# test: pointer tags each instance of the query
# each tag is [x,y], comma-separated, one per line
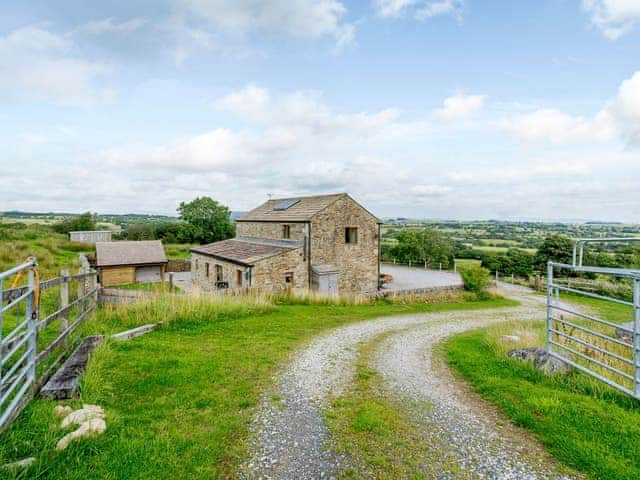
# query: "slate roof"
[144,252]
[300,211]
[244,251]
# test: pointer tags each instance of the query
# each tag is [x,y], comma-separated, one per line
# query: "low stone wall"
[418,291]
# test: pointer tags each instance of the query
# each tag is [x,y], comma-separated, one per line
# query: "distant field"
[501,249]
[463,262]
[29,221]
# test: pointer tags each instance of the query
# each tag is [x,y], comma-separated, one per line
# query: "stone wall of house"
[269,274]
[208,283]
[270,230]
[357,263]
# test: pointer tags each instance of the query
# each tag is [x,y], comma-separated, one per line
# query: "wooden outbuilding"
[121,263]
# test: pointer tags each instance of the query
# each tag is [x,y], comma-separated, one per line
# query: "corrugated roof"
[302,210]
[129,253]
[243,251]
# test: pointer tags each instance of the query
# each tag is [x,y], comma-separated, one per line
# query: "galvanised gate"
[608,351]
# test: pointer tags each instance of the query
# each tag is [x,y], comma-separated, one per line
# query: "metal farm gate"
[18,346]
[608,351]
[29,354]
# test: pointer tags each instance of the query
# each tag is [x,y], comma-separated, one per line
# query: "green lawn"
[179,400]
[580,421]
[178,250]
[376,430]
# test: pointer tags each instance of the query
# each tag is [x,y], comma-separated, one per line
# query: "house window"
[206,269]
[288,279]
[351,235]
[239,277]
[219,273]
[286,231]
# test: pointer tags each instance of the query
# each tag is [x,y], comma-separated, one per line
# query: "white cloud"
[301,18]
[619,117]
[110,25]
[613,18]
[420,9]
[625,109]
[36,63]
[302,110]
[430,190]
[459,107]
[551,125]
[527,172]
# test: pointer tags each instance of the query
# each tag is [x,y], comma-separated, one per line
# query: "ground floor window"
[219,273]
[239,277]
[288,279]
[206,269]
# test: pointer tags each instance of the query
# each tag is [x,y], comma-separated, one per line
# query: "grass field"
[464,262]
[582,422]
[179,400]
[53,250]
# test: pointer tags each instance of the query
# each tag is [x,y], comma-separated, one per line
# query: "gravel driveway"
[292,442]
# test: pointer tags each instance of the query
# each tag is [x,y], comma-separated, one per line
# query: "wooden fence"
[42,338]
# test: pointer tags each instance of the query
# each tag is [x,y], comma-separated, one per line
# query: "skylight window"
[285,204]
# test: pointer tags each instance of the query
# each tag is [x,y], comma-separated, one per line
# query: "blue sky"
[426,108]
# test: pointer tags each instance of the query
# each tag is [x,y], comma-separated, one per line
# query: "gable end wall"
[357,263]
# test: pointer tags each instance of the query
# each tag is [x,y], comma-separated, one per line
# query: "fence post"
[425,264]
[32,320]
[549,304]
[455,267]
[64,302]
[440,265]
[497,277]
[636,337]
[513,280]
[170,281]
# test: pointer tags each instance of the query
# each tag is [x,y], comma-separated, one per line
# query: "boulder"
[625,332]
[540,360]
[92,427]
[86,413]
[510,338]
[24,463]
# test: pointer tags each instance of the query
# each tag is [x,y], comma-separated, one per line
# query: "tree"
[556,248]
[86,221]
[209,221]
[427,245]
[474,278]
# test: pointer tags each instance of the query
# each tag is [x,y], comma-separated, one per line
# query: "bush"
[475,278]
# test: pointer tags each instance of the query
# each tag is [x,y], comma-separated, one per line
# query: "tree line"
[433,248]
[203,220]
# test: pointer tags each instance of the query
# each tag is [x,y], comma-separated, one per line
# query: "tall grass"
[167,308]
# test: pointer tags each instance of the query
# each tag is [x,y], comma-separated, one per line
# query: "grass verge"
[373,429]
[580,421]
[179,400]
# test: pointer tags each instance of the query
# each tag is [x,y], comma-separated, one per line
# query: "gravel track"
[291,440]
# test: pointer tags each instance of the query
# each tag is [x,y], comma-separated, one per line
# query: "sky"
[450,109]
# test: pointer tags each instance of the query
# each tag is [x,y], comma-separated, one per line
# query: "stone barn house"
[120,263]
[327,243]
